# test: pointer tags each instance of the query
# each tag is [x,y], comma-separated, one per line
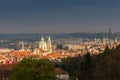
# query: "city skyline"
[59,16]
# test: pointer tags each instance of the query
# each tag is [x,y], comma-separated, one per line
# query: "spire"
[49,38]
[23,46]
[104,38]
[49,45]
[42,39]
[116,39]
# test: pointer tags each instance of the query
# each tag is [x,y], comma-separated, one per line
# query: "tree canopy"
[33,69]
[105,66]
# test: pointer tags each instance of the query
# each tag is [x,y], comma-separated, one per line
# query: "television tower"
[109,33]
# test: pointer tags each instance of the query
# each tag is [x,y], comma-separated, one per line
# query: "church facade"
[45,47]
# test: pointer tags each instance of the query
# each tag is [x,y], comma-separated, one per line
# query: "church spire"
[42,39]
[49,38]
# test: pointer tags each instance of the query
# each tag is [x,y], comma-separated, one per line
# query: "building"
[61,74]
[45,47]
[5,72]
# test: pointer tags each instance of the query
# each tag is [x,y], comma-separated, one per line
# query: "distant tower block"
[110,30]
[110,33]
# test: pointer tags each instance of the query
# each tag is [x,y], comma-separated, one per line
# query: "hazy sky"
[61,16]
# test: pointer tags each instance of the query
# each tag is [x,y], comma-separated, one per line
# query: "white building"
[6,50]
[45,47]
[43,44]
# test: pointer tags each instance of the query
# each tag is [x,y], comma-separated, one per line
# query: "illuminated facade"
[45,47]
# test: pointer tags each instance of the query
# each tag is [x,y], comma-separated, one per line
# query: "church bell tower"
[49,44]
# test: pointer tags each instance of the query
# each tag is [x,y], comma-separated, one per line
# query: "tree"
[71,64]
[108,67]
[118,47]
[33,69]
[86,68]
[106,51]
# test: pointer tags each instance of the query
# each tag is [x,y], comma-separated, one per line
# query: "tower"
[49,45]
[23,46]
[109,33]
[105,40]
[116,40]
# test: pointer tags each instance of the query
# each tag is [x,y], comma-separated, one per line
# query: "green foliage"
[106,51]
[86,68]
[105,66]
[71,64]
[79,67]
[108,67]
[32,69]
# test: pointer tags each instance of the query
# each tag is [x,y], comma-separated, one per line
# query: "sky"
[59,16]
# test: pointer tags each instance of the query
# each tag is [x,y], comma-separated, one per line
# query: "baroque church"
[45,47]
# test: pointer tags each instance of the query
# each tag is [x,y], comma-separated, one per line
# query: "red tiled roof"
[54,55]
[7,67]
[60,71]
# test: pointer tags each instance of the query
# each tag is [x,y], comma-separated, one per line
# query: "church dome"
[43,44]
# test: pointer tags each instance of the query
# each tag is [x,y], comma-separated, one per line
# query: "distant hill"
[56,35]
